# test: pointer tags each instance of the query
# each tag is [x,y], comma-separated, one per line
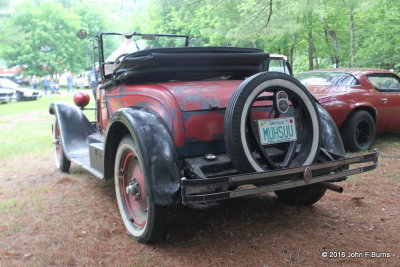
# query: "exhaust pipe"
[332,187]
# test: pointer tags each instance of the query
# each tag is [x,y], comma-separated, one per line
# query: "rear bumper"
[214,189]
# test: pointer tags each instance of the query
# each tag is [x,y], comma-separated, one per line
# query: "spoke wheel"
[263,99]
[62,162]
[144,220]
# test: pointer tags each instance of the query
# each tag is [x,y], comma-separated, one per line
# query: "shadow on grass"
[387,138]
[243,220]
[236,220]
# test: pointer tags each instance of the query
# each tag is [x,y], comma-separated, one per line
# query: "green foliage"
[46,40]
[7,34]
[378,34]
[313,33]
[315,29]
[49,38]
[93,22]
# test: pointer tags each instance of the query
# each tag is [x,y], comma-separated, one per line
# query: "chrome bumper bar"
[214,189]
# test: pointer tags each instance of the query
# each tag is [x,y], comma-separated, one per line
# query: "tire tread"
[349,127]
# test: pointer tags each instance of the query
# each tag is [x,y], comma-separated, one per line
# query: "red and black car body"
[347,93]
[182,126]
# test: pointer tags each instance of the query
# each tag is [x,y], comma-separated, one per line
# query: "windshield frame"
[100,41]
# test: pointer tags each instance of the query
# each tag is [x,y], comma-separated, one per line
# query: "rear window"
[327,78]
[385,82]
[278,64]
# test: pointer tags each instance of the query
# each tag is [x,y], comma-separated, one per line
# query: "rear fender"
[74,127]
[154,141]
[331,140]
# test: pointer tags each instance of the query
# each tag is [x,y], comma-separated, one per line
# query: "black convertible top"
[188,63]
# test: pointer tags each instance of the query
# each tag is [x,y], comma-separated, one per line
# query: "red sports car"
[360,101]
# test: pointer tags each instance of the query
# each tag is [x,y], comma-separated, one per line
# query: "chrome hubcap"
[133,189]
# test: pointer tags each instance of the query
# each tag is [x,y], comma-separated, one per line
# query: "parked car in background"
[82,80]
[360,101]
[18,80]
[21,93]
[7,95]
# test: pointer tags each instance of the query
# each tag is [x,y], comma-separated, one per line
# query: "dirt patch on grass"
[50,218]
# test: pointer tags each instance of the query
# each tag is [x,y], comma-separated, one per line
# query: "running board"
[91,159]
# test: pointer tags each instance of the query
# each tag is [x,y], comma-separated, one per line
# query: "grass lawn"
[26,126]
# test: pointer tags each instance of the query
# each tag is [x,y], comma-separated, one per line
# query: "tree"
[377,32]
[320,32]
[92,20]
[329,19]
[7,34]
[50,45]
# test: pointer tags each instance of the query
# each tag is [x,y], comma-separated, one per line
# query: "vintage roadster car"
[196,125]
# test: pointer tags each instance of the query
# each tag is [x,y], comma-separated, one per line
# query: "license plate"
[275,131]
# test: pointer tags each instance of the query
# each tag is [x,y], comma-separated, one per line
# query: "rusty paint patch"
[201,126]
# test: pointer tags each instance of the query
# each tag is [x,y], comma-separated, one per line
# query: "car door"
[387,100]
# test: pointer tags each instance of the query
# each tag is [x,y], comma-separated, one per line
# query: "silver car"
[7,95]
[20,92]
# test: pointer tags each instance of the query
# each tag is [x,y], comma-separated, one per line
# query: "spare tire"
[271,122]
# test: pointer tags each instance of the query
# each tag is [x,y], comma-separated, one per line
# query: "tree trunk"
[311,48]
[326,38]
[352,38]
[292,49]
[336,48]
[333,41]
